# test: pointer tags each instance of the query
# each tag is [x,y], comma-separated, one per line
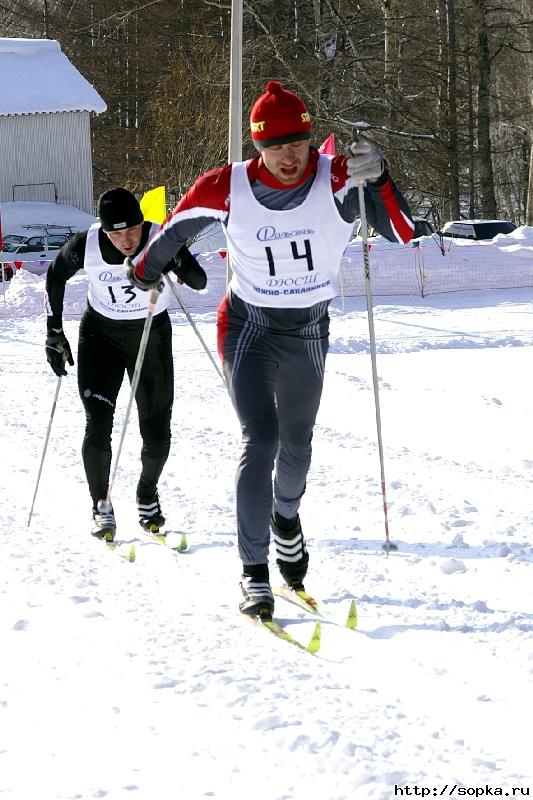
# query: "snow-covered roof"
[16,217]
[37,78]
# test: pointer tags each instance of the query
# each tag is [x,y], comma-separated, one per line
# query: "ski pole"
[3,271]
[54,404]
[388,545]
[105,506]
[185,310]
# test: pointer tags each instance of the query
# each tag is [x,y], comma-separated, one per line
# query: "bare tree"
[529,119]
[436,79]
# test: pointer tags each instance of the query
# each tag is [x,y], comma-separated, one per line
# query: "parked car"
[478,229]
[34,249]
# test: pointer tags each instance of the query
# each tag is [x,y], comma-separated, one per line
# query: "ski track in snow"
[142,681]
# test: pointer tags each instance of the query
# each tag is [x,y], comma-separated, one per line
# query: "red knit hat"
[278,116]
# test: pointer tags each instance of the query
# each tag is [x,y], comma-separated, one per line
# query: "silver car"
[34,249]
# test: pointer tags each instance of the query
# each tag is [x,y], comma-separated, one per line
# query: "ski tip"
[351,621]
[301,598]
[308,599]
[183,545]
[126,553]
[314,644]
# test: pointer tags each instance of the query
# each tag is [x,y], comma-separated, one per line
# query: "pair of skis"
[302,599]
[280,632]
[307,602]
[128,552]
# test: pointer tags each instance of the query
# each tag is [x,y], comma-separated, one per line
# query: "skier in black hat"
[108,343]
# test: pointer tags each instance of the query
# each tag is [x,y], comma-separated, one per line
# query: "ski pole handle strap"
[140,283]
[58,352]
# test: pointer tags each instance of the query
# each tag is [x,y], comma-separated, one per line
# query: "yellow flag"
[153,205]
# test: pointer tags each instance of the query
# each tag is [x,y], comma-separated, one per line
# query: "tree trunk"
[391,56]
[529,206]
[529,68]
[486,174]
[471,155]
[451,83]
[45,19]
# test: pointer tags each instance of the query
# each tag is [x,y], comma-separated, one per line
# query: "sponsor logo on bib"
[268,233]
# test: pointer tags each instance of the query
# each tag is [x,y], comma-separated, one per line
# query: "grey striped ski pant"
[273,361]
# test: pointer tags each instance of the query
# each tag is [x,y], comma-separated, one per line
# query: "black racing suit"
[107,349]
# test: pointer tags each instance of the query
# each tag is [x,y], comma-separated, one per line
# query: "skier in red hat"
[288,215]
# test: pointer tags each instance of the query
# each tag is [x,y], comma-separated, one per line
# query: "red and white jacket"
[307,224]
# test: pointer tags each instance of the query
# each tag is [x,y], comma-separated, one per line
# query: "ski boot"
[255,586]
[151,517]
[104,525]
[292,556]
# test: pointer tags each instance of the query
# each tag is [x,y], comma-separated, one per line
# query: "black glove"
[140,283]
[58,352]
[187,269]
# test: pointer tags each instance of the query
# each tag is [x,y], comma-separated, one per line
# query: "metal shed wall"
[47,149]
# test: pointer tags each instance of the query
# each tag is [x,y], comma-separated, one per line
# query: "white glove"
[364,163]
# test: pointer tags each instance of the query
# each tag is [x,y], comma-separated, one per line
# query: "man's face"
[287,162]
[127,240]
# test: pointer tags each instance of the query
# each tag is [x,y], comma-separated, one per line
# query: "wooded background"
[446,85]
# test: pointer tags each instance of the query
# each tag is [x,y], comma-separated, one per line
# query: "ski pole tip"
[390,547]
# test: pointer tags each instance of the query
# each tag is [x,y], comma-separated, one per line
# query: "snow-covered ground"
[142,681]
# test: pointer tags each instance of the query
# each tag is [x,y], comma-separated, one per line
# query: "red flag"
[328,147]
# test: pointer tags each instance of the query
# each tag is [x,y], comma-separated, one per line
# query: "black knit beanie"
[118,209]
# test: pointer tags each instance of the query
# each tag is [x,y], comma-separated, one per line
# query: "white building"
[45,138]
